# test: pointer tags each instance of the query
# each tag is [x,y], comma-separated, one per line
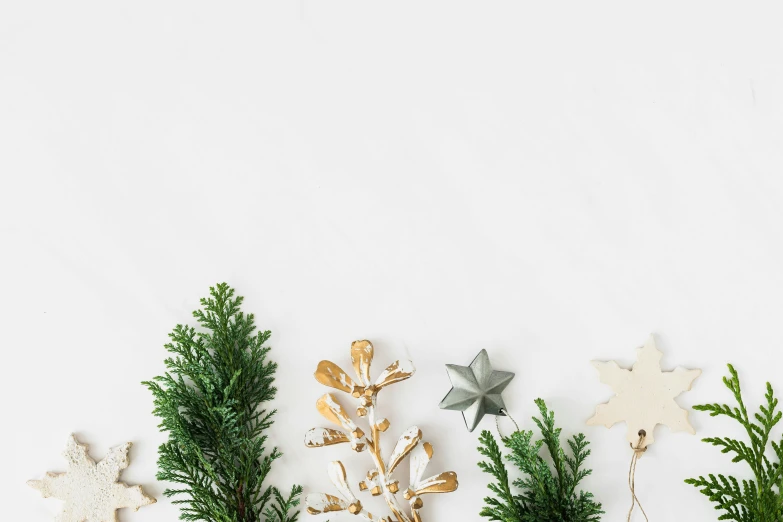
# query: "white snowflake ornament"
[90,491]
[644,396]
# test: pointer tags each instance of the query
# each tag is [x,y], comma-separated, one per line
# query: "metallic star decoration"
[476,390]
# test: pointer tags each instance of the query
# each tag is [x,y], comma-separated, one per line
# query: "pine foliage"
[758,499]
[209,402]
[548,495]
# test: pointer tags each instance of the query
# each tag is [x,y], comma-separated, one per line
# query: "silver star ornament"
[476,390]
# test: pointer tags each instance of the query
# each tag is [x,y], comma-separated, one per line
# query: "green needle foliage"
[757,500]
[209,403]
[546,496]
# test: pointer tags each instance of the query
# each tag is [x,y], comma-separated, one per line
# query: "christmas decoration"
[644,398]
[546,496]
[379,480]
[476,390]
[209,402]
[644,395]
[759,499]
[91,491]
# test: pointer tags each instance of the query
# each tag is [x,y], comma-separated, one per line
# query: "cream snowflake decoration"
[644,395]
[91,491]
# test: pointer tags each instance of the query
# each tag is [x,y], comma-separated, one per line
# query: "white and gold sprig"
[380,480]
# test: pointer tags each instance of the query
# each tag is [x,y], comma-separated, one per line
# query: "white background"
[552,183]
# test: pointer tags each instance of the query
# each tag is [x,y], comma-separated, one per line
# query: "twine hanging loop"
[638,451]
[507,414]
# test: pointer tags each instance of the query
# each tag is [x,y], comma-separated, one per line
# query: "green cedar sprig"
[546,496]
[759,499]
[209,403]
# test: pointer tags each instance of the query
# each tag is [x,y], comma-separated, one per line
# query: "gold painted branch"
[380,480]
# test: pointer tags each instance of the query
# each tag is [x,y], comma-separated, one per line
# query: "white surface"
[551,183]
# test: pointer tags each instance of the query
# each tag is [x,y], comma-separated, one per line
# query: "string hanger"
[504,412]
[638,451]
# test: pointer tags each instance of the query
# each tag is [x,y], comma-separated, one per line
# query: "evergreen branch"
[758,500]
[546,496]
[209,402]
[507,508]
[283,510]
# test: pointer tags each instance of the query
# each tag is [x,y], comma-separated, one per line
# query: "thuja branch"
[760,499]
[380,479]
[210,402]
[546,496]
